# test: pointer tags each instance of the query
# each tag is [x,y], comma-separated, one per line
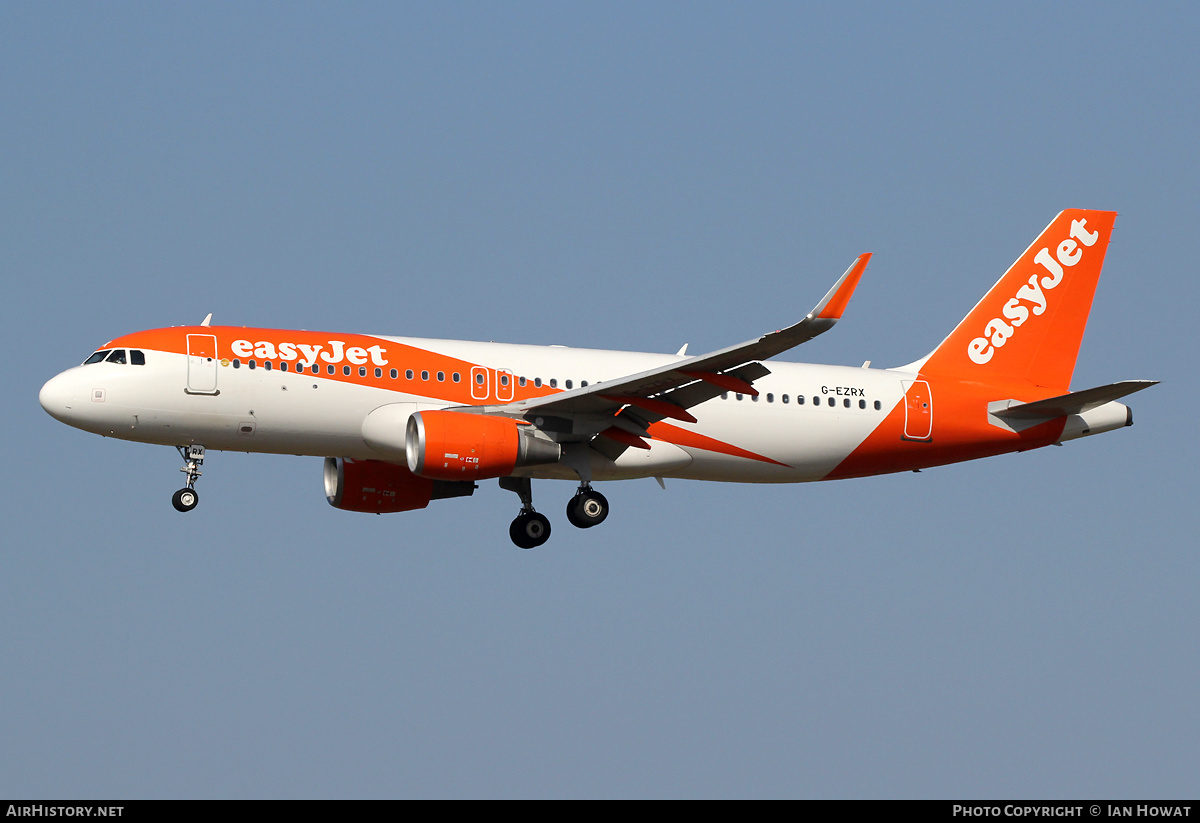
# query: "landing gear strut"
[530,529]
[186,498]
[587,508]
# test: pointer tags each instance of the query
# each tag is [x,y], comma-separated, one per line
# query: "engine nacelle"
[377,487]
[446,445]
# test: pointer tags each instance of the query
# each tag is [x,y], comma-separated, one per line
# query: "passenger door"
[202,364]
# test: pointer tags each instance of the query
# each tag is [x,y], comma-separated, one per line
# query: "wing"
[630,404]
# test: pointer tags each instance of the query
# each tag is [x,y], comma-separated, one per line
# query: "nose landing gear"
[186,498]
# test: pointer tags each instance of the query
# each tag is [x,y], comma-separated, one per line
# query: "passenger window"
[424,375]
[283,366]
[136,357]
[816,400]
[784,398]
[97,357]
[330,370]
[362,371]
[408,374]
[878,405]
[738,396]
[537,381]
[832,402]
[441,376]
[582,383]
[267,365]
[554,382]
[770,397]
[754,398]
[378,372]
[237,364]
[862,404]
[252,364]
[456,377]
[570,384]
[117,356]
[724,395]
[395,374]
[799,400]
[521,382]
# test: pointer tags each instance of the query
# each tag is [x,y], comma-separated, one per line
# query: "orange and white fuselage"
[999,383]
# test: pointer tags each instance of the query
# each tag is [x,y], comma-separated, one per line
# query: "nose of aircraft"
[58,396]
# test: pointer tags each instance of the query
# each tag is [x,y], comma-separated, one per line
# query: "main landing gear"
[530,529]
[587,508]
[186,498]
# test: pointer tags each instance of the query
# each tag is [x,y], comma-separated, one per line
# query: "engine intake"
[446,445]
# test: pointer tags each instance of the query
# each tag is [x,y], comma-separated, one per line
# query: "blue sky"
[616,176]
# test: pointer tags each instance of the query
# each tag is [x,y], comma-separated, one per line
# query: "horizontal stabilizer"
[1077,402]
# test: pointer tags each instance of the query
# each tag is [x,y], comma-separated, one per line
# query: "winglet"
[834,303]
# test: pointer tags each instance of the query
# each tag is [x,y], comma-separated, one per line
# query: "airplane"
[402,422]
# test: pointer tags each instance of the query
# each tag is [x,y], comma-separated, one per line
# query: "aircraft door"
[202,364]
[918,411]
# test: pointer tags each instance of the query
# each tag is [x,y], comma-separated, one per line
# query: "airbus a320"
[402,422]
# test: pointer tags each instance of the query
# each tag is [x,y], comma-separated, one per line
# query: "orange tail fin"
[1029,326]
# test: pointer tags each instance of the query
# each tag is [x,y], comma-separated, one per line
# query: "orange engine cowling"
[446,445]
[377,487]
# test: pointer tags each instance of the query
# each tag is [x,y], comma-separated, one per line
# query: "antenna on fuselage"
[207,319]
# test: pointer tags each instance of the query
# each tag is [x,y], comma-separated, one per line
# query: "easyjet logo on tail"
[1032,295]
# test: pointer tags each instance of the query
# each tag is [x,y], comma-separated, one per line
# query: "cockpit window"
[117,356]
[136,357]
[97,357]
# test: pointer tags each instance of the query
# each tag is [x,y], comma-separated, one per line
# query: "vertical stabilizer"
[1029,326]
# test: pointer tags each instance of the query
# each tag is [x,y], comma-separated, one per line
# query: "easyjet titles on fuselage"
[308,354]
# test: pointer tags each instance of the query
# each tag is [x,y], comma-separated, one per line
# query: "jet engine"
[377,487]
[446,445]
